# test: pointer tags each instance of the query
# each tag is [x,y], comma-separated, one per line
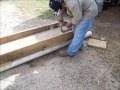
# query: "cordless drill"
[61,24]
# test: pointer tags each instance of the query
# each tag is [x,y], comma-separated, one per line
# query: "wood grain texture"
[27,33]
[31,44]
[97,43]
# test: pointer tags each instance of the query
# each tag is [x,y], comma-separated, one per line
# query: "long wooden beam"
[28,32]
[38,42]
[30,57]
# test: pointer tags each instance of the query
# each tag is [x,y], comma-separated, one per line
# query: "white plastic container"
[100,5]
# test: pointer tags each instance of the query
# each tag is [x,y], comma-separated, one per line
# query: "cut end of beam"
[97,43]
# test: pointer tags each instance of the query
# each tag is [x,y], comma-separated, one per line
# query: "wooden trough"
[25,46]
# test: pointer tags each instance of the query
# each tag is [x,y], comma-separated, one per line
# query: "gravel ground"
[90,69]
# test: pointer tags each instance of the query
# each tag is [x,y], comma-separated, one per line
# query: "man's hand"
[69,25]
[65,29]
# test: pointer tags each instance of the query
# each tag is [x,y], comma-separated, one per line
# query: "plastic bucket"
[100,5]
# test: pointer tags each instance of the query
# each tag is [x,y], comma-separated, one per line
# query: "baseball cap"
[55,5]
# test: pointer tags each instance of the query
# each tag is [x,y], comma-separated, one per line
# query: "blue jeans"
[79,31]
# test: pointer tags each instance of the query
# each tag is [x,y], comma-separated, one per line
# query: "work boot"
[63,53]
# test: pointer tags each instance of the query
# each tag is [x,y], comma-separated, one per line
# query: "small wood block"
[97,43]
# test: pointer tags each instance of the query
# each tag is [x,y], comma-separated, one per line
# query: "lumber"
[25,46]
[97,43]
[26,33]
[8,65]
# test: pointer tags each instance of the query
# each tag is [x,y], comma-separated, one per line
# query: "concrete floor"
[88,70]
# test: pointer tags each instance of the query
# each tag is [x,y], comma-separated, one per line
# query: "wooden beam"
[31,44]
[97,43]
[28,32]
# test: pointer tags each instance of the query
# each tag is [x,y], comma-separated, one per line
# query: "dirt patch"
[107,26]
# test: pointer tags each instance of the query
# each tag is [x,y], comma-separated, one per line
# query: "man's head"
[56,6]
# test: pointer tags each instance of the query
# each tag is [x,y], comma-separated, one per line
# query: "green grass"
[41,7]
[47,14]
[44,11]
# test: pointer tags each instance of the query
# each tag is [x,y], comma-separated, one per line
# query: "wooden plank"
[97,43]
[28,33]
[29,45]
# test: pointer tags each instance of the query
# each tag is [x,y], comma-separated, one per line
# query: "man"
[83,13]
